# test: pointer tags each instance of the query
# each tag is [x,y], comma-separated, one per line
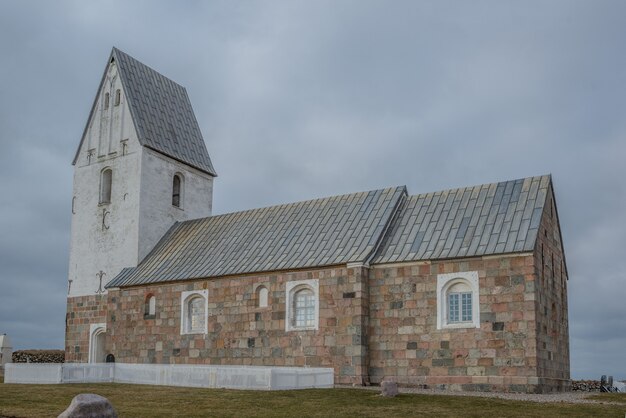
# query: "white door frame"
[94,331]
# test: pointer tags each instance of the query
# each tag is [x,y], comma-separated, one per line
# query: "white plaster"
[184,298]
[92,247]
[140,211]
[156,212]
[185,375]
[445,282]
[357,265]
[291,288]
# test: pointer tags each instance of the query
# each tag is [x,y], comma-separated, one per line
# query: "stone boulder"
[388,388]
[89,405]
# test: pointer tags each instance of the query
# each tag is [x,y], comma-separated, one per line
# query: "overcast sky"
[298,100]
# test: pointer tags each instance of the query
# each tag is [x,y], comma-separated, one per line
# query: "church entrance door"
[96,343]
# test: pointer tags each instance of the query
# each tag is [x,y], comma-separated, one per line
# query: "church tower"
[141,166]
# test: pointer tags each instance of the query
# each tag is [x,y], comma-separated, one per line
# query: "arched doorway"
[97,337]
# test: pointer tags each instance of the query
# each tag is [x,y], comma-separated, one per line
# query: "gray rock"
[388,388]
[89,405]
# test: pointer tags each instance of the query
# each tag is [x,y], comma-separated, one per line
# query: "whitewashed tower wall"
[107,237]
[104,236]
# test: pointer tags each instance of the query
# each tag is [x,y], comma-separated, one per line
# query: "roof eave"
[204,170]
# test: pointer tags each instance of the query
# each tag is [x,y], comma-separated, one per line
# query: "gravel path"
[568,397]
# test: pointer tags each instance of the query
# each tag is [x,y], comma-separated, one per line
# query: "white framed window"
[262,295]
[194,312]
[458,300]
[118,97]
[303,305]
[106,101]
[106,181]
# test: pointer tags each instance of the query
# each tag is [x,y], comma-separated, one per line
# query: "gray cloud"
[304,99]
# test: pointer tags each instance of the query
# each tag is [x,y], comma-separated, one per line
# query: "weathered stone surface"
[389,329]
[89,405]
[388,388]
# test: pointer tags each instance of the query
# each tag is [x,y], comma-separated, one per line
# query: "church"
[460,289]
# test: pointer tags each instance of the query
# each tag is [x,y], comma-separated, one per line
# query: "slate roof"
[161,112]
[321,232]
[492,218]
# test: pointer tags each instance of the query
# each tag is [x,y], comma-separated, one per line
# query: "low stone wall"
[586,385]
[38,356]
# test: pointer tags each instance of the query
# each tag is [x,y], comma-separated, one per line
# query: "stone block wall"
[406,346]
[82,311]
[374,323]
[551,303]
[239,332]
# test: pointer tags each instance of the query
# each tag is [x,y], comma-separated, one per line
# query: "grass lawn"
[160,401]
[609,397]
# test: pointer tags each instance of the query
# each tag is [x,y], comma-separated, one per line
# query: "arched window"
[150,308]
[302,305]
[106,101]
[177,190]
[118,97]
[457,300]
[262,296]
[106,179]
[194,312]
[304,308]
[459,297]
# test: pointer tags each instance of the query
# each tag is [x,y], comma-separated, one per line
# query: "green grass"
[609,397]
[160,401]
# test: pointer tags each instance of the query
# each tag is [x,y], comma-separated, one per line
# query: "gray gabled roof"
[314,233]
[493,218]
[162,113]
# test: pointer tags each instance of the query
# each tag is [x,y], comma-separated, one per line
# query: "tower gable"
[110,131]
[160,110]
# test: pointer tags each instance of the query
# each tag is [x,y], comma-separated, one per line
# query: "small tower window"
[106,101]
[118,96]
[177,190]
[106,178]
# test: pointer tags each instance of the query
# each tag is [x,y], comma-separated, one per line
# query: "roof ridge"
[454,189]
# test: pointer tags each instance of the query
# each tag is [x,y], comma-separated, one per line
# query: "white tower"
[141,166]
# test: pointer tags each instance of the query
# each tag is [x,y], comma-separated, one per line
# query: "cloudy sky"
[307,99]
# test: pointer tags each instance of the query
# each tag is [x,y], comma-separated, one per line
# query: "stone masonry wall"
[240,333]
[82,311]
[405,344]
[552,317]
